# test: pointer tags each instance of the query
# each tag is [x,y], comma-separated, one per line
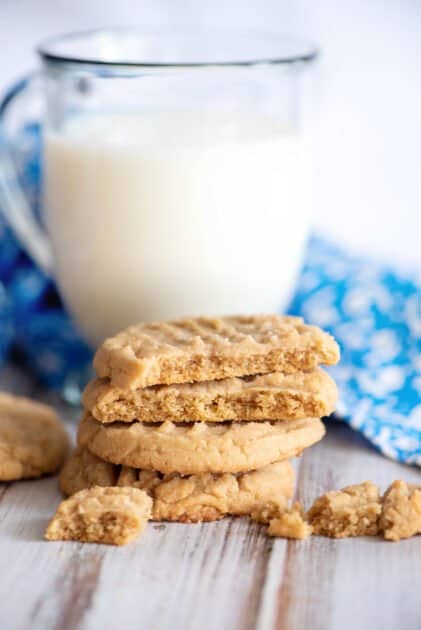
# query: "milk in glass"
[157,215]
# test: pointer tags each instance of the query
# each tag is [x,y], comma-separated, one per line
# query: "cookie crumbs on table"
[352,511]
[112,516]
[357,510]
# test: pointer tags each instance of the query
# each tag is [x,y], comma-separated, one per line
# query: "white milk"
[160,215]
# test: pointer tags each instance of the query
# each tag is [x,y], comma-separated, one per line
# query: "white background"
[369,79]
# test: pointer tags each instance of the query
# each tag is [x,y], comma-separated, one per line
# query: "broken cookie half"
[401,514]
[352,511]
[112,516]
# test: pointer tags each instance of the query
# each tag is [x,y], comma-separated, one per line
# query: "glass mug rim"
[220,48]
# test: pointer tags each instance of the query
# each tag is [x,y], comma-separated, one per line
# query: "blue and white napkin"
[375,314]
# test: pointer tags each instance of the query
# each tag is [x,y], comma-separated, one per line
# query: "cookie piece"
[199,447]
[188,499]
[113,516]
[352,511]
[401,514]
[264,397]
[33,441]
[290,523]
[205,349]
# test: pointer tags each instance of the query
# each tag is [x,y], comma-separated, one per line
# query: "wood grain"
[213,576]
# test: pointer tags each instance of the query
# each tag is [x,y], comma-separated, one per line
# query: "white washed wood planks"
[174,576]
[346,584]
[212,576]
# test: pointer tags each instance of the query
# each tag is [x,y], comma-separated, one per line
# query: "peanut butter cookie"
[199,447]
[264,397]
[205,349]
[33,441]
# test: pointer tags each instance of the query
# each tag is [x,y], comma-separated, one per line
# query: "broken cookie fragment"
[209,348]
[290,524]
[401,514]
[352,511]
[260,397]
[113,516]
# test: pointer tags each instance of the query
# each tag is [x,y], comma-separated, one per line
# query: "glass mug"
[176,173]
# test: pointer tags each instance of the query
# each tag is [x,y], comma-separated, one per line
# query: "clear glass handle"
[13,201]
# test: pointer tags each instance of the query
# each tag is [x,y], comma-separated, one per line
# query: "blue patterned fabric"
[373,312]
[39,330]
[33,320]
[6,325]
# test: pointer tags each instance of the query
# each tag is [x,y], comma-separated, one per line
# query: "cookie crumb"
[113,516]
[352,511]
[291,524]
[401,514]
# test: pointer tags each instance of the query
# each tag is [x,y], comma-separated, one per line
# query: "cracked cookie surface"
[205,348]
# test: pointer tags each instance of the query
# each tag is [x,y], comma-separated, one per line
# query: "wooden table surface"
[220,576]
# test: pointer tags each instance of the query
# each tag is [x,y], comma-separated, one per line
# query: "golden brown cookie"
[113,516]
[199,447]
[401,513]
[352,511]
[205,349]
[187,499]
[264,397]
[33,441]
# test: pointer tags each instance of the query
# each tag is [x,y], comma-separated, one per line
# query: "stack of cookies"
[204,414]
